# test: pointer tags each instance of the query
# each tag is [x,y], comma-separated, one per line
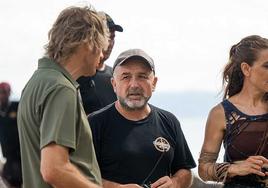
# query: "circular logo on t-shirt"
[161,144]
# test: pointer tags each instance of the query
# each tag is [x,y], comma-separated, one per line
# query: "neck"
[251,95]
[70,65]
[133,115]
[250,101]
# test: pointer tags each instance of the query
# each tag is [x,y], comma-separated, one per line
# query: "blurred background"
[189,41]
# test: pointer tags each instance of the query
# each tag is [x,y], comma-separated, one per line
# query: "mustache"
[135,91]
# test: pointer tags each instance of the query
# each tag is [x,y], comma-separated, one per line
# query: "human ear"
[113,84]
[245,68]
[154,83]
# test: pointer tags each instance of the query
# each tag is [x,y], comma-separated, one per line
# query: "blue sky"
[189,40]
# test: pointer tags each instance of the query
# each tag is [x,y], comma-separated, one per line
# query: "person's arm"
[59,172]
[181,179]
[208,169]
[214,133]
[110,184]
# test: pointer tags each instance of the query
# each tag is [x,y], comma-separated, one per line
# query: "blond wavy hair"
[74,26]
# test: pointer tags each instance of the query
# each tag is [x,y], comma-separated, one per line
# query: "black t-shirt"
[9,137]
[127,151]
[97,91]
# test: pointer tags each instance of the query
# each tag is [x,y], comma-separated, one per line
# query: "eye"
[125,77]
[143,76]
[265,66]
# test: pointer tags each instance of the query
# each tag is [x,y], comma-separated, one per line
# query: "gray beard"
[126,106]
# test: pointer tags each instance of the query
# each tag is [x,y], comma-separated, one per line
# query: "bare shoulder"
[215,125]
[216,116]
[217,110]
[215,128]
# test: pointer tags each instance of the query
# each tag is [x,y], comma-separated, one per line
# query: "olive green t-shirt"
[50,111]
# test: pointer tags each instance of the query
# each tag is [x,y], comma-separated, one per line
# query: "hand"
[130,185]
[110,184]
[251,165]
[164,182]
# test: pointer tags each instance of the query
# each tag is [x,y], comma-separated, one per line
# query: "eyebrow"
[139,73]
[125,73]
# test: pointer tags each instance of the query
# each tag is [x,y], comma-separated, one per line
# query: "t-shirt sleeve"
[58,118]
[183,158]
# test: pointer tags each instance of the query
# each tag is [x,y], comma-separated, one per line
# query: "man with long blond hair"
[53,127]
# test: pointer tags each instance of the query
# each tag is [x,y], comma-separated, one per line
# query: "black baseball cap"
[132,53]
[111,24]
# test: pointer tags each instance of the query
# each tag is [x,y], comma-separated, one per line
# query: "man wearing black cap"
[97,91]
[136,143]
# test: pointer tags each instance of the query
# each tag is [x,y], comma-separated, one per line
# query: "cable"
[153,169]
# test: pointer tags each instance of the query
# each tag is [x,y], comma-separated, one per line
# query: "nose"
[133,83]
[101,54]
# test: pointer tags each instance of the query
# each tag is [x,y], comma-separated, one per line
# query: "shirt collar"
[46,63]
